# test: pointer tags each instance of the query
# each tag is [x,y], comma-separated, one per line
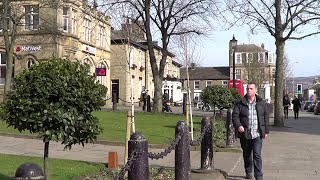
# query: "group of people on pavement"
[296,106]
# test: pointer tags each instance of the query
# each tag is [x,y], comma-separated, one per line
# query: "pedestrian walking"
[165,99]
[296,106]
[250,118]
[143,98]
[286,104]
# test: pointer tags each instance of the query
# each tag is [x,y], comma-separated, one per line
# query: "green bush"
[220,132]
[55,99]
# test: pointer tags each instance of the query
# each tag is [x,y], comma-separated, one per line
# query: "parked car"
[317,108]
[311,107]
[307,104]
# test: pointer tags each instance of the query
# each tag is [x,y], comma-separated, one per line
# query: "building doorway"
[115,88]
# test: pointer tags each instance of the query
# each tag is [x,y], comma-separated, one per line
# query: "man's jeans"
[252,147]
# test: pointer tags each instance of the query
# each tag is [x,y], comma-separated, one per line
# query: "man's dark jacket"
[240,116]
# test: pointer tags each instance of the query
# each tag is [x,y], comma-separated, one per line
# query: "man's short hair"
[251,82]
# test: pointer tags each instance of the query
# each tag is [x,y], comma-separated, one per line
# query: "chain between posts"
[198,141]
[167,150]
[134,155]
[128,101]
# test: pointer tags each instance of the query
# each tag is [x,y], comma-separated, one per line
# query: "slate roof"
[249,48]
[206,73]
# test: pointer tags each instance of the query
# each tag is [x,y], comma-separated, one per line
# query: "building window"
[261,57]
[3,68]
[273,72]
[102,79]
[249,58]
[131,54]
[87,61]
[196,85]
[270,58]
[238,74]
[86,28]
[65,20]
[101,36]
[208,83]
[225,83]
[8,18]
[140,58]
[31,17]
[74,23]
[238,58]
[30,62]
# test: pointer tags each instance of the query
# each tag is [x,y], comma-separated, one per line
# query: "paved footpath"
[289,153]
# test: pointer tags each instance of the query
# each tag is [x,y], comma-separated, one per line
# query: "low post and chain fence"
[137,165]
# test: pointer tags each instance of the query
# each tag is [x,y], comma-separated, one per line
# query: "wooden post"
[187,112]
[128,134]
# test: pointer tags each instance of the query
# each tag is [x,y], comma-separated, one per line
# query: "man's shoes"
[248,176]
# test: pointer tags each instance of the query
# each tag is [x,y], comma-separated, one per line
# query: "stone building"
[70,30]
[131,65]
[254,63]
[201,77]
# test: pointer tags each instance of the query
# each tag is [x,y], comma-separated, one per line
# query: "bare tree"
[282,19]
[162,19]
[187,50]
[257,72]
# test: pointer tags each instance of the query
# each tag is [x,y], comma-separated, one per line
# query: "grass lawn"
[157,128]
[58,169]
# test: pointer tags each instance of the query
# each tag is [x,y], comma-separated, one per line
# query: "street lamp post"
[233,43]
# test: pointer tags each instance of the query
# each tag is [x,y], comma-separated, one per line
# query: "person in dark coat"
[143,98]
[165,99]
[250,118]
[286,104]
[296,106]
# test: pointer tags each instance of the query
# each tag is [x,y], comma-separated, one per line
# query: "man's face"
[251,90]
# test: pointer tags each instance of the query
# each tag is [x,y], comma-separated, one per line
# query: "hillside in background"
[305,81]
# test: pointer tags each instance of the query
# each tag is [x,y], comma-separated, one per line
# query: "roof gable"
[206,73]
[249,48]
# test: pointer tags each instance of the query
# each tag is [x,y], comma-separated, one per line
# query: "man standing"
[250,118]
[143,98]
[296,106]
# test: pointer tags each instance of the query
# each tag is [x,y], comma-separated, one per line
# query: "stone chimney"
[262,46]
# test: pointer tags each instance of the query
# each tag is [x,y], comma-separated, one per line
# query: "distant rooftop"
[249,48]
[206,73]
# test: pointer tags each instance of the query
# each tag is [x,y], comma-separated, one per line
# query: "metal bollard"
[182,153]
[29,171]
[148,103]
[230,129]
[139,169]
[114,101]
[207,163]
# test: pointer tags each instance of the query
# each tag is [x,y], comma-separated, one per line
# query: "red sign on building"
[101,71]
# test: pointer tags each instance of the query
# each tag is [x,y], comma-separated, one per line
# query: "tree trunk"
[278,113]
[45,160]
[9,44]
[157,76]
[157,101]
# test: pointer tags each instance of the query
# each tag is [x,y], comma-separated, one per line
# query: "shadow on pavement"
[307,123]
[235,177]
